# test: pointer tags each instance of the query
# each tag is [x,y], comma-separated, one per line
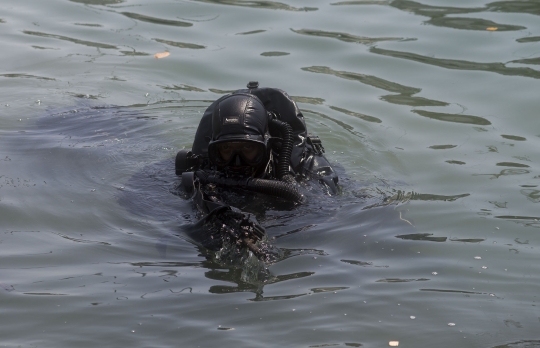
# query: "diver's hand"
[240,225]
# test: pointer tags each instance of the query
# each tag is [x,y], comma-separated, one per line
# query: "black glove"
[238,225]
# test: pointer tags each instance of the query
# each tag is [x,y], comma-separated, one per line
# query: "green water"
[434,103]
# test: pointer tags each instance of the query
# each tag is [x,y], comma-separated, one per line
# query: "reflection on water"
[345,37]
[529,39]
[73,40]
[422,236]
[270,5]
[438,16]
[454,64]
[26,76]
[356,114]
[154,20]
[405,96]
[471,24]
[507,172]
[274,54]
[512,164]
[180,44]
[457,118]
[98,2]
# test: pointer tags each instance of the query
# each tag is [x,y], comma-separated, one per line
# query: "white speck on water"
[412,317]
[492,295]
[293,309]
[484,267]
[132,330]
[93,190]
[434,273]
[478,258]
[451,324]
[146,95]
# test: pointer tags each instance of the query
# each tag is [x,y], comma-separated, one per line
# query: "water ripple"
[457,291]
[180,44]
[457,118]
[534,61]
[405,93]
[471,24]
[356,114]
[345,126]
[98,2]
[155,20]
[27,76]
[422,236]
[346,37]
[512,164]
[455,64]
[274,54]
[271,5]
[70,39]
[529,39]
[252,32]
[399,280]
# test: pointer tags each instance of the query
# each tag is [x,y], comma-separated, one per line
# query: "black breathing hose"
[279,189]
[285,152]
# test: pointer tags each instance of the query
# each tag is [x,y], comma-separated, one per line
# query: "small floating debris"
[225,328]
[161,55]
[412,317]
[393,343]
[434,273]
[491,28]
[451,324]
[478,257]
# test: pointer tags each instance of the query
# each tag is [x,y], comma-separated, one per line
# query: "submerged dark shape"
[254,141]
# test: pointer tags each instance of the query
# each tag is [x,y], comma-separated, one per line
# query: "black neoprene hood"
[239,117]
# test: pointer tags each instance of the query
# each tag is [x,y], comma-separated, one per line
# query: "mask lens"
[250,153]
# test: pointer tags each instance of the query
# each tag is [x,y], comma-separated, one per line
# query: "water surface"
[432,105]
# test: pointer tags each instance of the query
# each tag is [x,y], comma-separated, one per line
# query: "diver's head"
[239,135]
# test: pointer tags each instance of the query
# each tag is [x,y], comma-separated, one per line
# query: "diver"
[255,140]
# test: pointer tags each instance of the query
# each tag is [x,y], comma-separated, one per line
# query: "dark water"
[429,107]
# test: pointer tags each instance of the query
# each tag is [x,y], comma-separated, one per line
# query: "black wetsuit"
[303,160]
